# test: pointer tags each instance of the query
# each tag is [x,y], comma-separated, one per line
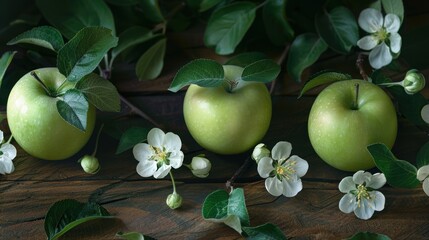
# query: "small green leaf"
[237,206]
[338,29]
[203,72]
[132,36]
[5,61]
[266,231]
[228,25]
[323,78]
[82,54]
[395,7]
[131,137]
[100,92]
[71,16]
[304,51]
[368,236]
[74,108]
[150,64]
[246,58]
[207,4]
[133,236]
[399,173]
[265,70]
[123,2]
[152,11]
[64,215]
[278,29]
[215,206]
[423,156]
[44,36]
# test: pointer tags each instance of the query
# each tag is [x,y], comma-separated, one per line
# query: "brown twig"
[229,184]
[359,64]
[279,62]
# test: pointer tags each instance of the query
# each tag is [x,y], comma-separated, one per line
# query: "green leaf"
[265,70]
[207,4]
[215,206]
[152,10]
[423,156]
[133,236]
[131,137]
[228,25]
[323,78]
[64,215]
[237,206]
[131,37]
[123,2]
[44,36]
[74,108]
[266,231]
[304,51]
[203,72]
[399,173]
[338,29]
[395,7]
[246,58]
[5,61]
[150,64]
[82,54]
[100,92]
[71,16]
[368,236]
[278,29]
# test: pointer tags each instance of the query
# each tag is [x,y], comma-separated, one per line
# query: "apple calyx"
[356,100]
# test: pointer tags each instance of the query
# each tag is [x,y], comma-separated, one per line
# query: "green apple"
[35,122]
[344,121]
[228,121]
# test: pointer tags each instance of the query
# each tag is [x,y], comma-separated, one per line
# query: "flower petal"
[281,150]
[380,56]
[292,187]
[364,210]
[8,150]
[346,185]
[146,168]
[395,42]
[376,181]
[425,113]
[6,165]
[155,137]
[368,42]
[265,167]
[142,152]
[274,186]
[301,166]
[392,23]
[162,171]
[1,136]
[426,186]
[423,173]
[172,142]
[361,176]
[370,20]
[378,200]
[176,159]
[347,203]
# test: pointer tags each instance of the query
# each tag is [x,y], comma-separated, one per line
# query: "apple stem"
[229,184]
[356,102]
[34,74]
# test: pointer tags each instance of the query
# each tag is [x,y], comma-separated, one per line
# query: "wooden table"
[139,203]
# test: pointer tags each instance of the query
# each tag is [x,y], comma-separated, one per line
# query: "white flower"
[383,39]
[361,198]
[283,173]
[161,152]
[259,152]
[7,154]
[423,176]
[200,166]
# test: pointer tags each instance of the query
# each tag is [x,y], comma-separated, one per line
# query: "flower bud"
[260,152]
[174,200]
[413,82]
[425,113]
[200,167]
[90,164]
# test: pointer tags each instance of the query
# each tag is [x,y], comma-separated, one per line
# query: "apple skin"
[340,135]
[35,122]
[228,122]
